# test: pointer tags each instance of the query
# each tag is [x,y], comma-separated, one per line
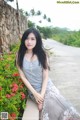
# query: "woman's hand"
[42,95]
[39,98]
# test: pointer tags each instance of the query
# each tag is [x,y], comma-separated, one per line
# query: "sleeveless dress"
[55,106]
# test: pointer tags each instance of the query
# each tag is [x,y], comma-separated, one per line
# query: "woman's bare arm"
[25,81]
[37,96]
[45,80]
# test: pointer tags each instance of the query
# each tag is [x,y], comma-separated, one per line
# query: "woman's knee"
[40,106]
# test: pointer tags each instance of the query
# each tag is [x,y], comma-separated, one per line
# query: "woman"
[32,64]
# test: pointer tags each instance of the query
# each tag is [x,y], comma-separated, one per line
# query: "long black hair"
[38,49]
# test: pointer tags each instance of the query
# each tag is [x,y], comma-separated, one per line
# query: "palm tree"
[32,12]
[44,17]
[38,12]
[40,21]
[27,14]
[9,0]
[49,20]
[17,15]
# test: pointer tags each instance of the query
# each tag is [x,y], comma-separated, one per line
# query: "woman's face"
[30,41]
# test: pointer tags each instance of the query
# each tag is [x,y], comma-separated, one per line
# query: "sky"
[62,15]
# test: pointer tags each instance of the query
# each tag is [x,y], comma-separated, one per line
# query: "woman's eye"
[33,39]
[30,38]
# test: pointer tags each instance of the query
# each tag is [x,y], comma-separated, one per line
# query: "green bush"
[13,93]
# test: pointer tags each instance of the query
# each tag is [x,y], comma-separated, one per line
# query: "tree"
[27,14]
[9,0]
[38,12]
[46,31]
[40,21]
[32,12]
[49,20]
[31,24]
[44,17]
[17,14]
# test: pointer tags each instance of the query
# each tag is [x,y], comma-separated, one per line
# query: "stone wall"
[9,32]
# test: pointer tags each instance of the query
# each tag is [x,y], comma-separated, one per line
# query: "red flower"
[8,96]
[18,108]
[23,96]
[14,85]
[20,80]
[0,88]
[15,75]
[12,94]
[21,86]
[13,115]
[14,89]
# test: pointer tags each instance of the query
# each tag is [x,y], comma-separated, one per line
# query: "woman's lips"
[29,45]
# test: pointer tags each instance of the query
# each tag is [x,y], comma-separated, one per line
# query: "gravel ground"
[65,70]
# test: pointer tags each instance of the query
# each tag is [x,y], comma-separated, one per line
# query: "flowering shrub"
[13,93]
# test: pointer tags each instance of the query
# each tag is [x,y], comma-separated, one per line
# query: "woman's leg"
[40,106]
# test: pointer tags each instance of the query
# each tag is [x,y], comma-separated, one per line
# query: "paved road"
[65,70]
